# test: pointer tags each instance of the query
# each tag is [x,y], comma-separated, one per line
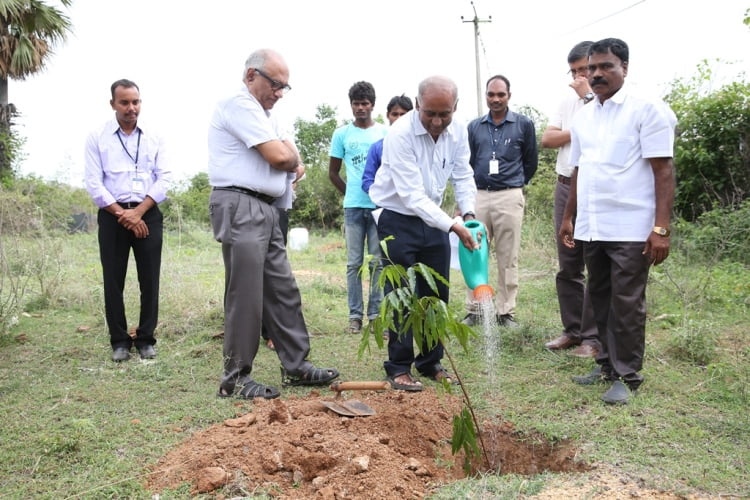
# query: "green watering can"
[474,262]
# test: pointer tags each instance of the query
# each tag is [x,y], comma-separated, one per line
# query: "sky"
[187,55]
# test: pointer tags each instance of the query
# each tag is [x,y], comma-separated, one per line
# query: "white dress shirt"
[415,171]
[611,145]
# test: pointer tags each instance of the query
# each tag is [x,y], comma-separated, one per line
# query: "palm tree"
[28,29]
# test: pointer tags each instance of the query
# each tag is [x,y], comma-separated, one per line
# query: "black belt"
[128,204]
[255,194]
[563,180]
[497,188]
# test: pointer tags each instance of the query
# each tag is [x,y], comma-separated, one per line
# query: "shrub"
[713,139]
[318,204]
[188,203]
[719,234]
[694,343]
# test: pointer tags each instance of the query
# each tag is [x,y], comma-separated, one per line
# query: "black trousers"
[618,272]
[414,241]
[115,243]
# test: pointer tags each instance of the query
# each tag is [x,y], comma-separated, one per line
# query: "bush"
[188,203]
[719,234]
[318,204]
[694,343]
[30,204]
[711,147]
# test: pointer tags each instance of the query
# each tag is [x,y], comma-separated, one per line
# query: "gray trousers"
[576,313]
[258,287]
[618,272]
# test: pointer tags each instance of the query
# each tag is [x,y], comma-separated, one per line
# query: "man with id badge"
[504,158]
[127,175]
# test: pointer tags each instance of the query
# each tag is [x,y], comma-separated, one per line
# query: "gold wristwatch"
[662,231]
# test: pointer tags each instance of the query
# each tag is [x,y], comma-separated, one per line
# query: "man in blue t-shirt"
[349,145]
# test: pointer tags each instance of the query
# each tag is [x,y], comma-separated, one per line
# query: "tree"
[28,30]
[712,146]
[318,203]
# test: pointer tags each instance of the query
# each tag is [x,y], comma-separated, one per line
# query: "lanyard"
[137,148]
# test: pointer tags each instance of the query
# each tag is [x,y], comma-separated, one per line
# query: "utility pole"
[476,22]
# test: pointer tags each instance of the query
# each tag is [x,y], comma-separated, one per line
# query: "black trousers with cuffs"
[115,243]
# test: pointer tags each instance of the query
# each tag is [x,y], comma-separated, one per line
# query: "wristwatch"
[469,213]
[588,97]
[662,231]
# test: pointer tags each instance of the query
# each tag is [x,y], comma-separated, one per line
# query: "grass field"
[76,425]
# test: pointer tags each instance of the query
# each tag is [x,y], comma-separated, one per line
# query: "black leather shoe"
[618,394]
[595,377]
[120,354]
[147,351]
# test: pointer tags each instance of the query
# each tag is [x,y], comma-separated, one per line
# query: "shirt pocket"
[618,150]
[115,160]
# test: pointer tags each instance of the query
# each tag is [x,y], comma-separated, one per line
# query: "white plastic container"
[298,238]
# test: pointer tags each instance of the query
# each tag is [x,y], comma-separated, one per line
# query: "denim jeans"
[358,225]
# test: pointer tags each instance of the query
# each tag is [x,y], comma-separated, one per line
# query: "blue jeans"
[358,225]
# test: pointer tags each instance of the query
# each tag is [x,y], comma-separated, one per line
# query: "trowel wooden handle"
[359,386]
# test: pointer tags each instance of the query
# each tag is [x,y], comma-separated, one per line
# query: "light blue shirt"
[351,144]
[111,172]
[416,170]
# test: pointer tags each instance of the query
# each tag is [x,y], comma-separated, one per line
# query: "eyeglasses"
[583,70]
[275,84]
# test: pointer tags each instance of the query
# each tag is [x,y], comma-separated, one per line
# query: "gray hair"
[438,81]
[256,60]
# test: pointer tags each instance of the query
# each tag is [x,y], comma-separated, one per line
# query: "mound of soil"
[297,448]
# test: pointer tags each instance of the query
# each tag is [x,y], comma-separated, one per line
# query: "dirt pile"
[296,448]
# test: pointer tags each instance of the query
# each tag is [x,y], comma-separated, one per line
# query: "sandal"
[414,386]
[442,374]
[313,376]
[253,389]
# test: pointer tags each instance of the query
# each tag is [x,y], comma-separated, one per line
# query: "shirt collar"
[247,92]
[419,129]
[510,116]
[112,126]
[620,96]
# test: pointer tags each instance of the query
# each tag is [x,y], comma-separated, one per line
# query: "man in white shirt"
[576,314]
[621,198]
[421,153]
[251,166]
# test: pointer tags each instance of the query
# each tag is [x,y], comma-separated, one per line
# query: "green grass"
[76,425]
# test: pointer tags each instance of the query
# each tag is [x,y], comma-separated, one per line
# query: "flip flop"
[405,387]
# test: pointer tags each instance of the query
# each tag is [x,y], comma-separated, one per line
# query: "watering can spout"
[474,265]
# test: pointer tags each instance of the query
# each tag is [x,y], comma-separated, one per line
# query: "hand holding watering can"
[474,261]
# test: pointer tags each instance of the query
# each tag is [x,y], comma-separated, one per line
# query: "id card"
[138,185]
[494,166]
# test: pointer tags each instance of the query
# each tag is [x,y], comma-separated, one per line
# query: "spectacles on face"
[583,71]
[275,84]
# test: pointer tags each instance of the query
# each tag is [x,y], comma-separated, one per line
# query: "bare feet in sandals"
[443,375]
[405,382]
